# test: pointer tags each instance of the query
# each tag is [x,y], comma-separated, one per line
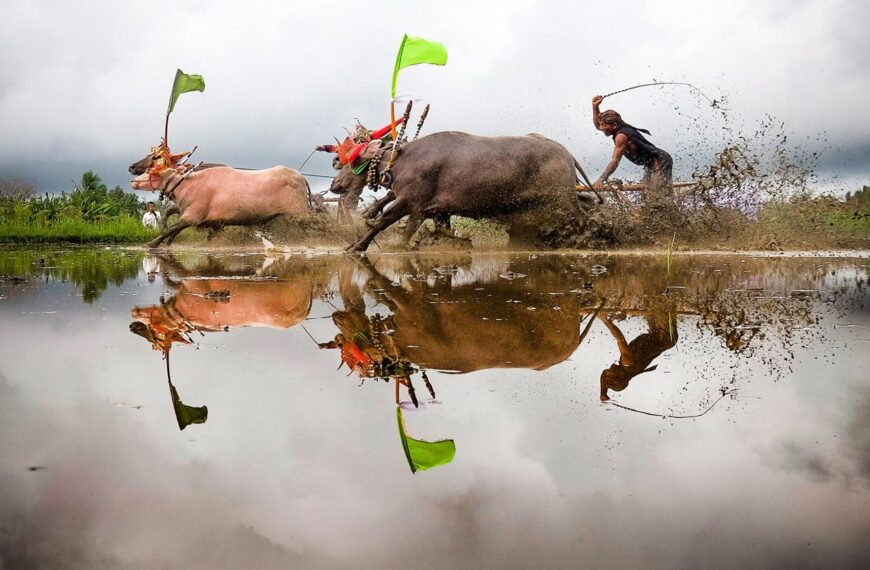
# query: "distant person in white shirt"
[151,219]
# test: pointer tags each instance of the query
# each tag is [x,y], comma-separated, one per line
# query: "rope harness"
[169,192]
[384,179]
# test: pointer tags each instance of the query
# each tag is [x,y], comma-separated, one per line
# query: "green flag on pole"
[185,414]
[422,455]
[414,51]
[184,83]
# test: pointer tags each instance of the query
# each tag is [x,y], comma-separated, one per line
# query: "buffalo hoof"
[370,212]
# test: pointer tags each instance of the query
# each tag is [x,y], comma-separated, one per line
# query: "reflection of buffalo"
[366,342]
[454,319]
[207,305]
[534,322]
[215,304]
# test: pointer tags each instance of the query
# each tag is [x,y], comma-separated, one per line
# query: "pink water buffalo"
[219,196]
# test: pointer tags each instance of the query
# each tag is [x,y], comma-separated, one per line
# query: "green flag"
[413,51]
[186,415]
[184,83]
[422,455]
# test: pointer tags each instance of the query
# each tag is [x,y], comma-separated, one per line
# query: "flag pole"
[166,131]
[393,88]
[169,108]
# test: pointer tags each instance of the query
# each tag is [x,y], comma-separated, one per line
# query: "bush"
[90,213]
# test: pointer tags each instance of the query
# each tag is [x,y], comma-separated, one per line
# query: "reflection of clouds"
[809,463]
[858,434]
[842,462]
[101,506]
[322,499]
[458,270]
[299,468]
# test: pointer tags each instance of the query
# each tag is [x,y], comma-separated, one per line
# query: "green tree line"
[90,212]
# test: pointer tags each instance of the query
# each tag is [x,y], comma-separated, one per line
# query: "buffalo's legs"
[170,234]
[348,203]
[587,202]
[178,228]
[411,226]
[377,207]
[171,209]
[388,218]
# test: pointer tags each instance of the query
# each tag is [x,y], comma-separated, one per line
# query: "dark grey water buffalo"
[454,173]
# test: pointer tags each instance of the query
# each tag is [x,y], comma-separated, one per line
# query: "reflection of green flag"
[187,415]
[183,84]
[413,51]
[424,455]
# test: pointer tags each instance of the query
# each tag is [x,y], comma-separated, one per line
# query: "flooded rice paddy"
[519,410]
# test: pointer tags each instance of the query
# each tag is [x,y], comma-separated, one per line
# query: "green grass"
[90,213]
[121,229]
[820,218]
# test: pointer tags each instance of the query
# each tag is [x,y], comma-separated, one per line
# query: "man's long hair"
[611,117]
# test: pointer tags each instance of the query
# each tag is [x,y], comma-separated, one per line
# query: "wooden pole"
[645,188]
[640,187]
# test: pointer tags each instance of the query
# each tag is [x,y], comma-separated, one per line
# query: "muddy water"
[486,411]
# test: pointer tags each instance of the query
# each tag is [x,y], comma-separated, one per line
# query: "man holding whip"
[629,142]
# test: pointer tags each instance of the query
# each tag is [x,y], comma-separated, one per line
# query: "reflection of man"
[151,219]
[151,265]
[629,142]
[636,356]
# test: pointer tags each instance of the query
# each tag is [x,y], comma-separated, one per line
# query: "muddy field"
[789,227]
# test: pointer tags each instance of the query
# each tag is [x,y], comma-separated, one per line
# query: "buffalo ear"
[336,163]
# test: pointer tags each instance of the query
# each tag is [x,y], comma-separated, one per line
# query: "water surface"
[448,411]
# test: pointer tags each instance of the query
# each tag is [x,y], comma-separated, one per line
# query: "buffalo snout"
[339,183]
[346,181]
[336,189]
[140,166]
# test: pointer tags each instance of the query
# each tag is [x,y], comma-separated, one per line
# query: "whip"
[701,93]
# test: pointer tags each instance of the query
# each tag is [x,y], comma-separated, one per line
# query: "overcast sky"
[85,85]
